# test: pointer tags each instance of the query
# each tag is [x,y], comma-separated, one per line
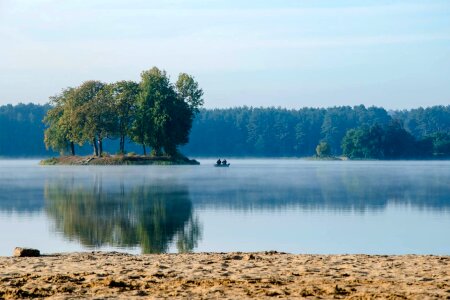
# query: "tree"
[188,91]
[155,91]
[76,113]
[61,128]
[364,142]
[124,95]
[182,110]
[165,113]
[54,136]
[100,118]
[323,149]
[75,117]
[389,142]
[337,121]
[139,127]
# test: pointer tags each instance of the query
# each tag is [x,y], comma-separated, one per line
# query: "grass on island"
[113,160]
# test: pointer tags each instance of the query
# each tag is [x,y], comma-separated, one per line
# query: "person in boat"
[219,162]
[224,162]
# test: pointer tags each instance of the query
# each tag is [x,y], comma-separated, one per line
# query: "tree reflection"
[150,216]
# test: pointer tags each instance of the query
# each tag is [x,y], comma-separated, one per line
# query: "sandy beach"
[262,275]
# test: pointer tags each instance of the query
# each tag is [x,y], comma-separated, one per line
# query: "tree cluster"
[393,142]
[153,113]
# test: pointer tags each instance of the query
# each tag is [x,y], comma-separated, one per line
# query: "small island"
[153,113]
[114,160]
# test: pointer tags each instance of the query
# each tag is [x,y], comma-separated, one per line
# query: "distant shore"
[262,275]
[114,160]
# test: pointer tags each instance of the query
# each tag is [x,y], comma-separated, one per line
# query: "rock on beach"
[26,252]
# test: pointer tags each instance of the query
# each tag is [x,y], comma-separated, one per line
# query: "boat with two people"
[222,163]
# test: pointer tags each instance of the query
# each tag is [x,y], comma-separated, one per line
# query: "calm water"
[287,205]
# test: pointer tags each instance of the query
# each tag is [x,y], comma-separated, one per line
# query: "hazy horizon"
[267,54]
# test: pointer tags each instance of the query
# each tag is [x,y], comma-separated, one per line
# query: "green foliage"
[74,116]
[98,113]
[189,91]
[323,150]
[124,97]
[165,114]
[80,111]
[154,93]
[389,142]
[61,126]
[364,142]
[338,120]
[55,136]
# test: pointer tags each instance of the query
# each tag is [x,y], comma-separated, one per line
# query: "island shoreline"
[117,160]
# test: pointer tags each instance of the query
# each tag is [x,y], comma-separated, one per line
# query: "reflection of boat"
[222,165]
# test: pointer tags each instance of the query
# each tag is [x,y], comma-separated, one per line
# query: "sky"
[288,53]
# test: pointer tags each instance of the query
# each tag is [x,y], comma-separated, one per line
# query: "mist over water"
[298,206]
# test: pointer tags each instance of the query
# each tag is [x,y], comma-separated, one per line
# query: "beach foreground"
[260,275]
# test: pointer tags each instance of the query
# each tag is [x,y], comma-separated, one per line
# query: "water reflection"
[250,206]
[149,216]
[329,188]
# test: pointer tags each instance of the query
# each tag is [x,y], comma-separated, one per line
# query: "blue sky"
[285,53]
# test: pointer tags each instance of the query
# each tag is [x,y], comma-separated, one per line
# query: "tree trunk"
[100,146]
[145,151]
[122,144]
[72,148]
[94,142]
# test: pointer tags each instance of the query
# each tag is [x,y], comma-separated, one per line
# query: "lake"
[296,206]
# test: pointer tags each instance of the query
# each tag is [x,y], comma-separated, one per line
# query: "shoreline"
[117,160]
[236,275]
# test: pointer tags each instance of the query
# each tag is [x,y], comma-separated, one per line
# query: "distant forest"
[357,132]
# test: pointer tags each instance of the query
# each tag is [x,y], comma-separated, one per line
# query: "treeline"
[154,113]
[279,132]
[268,132]
[22,130]
[276,132]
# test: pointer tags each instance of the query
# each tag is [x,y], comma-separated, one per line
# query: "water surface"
[294,206]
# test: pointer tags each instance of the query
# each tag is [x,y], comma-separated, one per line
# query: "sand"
[267,275]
